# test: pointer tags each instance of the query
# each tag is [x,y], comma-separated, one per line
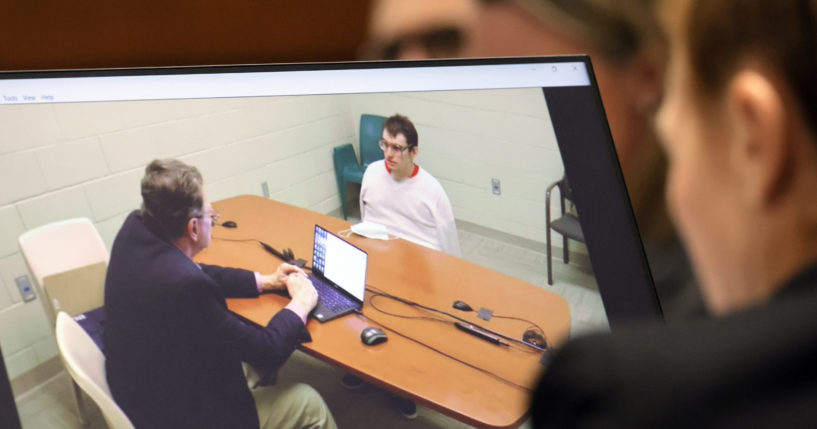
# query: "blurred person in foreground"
[625,44]
[739,125]
[419,29]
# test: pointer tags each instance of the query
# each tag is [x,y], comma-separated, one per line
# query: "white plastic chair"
[62,247]
[86,364]
[67,260]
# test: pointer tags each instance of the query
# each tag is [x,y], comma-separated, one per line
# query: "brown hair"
[399,124]
[719,35]
[171,195]
[623,32]
[619,29]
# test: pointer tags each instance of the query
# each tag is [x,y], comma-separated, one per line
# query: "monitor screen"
[340,262]
[495,133]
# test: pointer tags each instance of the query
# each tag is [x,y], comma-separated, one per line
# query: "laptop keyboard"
[329,297]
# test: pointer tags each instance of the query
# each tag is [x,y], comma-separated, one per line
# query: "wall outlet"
[265,189]
[26,291]
[496,188]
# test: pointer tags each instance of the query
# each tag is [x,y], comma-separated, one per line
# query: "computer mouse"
[371,336]
[459,305]
[532,337]
[229,224]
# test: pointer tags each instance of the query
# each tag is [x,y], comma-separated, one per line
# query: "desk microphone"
[287,256]
[471,329]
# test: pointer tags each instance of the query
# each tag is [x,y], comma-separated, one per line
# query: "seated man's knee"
[314,408]
[308,397]
[297,405]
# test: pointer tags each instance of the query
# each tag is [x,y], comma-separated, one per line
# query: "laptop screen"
[340,262]
[495,133]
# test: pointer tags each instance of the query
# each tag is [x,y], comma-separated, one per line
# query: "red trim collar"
[413,173]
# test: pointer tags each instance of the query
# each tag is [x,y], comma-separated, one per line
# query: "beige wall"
[68,160]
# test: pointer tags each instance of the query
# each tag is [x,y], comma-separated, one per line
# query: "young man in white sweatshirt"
[404,197]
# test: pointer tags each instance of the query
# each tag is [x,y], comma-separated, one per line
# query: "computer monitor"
[494,132]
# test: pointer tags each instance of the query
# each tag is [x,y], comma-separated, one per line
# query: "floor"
[51,405]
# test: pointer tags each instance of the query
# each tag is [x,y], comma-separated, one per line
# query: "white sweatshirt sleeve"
[446,227]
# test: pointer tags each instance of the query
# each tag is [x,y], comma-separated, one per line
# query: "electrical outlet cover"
[496,187]
[26,290]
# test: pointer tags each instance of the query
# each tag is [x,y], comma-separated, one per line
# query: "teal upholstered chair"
[347,168]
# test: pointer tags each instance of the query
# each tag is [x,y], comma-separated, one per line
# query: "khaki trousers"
[289,405]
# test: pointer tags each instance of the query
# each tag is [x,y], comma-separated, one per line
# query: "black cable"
[377,291]
[287,256]
[433,319]
[403,316]
[533,327]
[454,358]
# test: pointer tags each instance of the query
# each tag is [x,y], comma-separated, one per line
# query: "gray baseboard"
[36,376]
[578,254]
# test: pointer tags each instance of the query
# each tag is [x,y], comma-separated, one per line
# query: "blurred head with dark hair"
[622,38]
[419,29]
[738,124]
[628,50]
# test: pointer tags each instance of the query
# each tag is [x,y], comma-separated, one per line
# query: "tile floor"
[51,405]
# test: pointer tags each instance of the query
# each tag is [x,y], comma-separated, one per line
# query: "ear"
[647,82]
[414,151]
[759,144]
[193,228]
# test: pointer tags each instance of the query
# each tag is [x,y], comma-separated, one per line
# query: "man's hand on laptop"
[278,280]
[303,294]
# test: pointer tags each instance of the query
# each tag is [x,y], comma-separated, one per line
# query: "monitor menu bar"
[45,89]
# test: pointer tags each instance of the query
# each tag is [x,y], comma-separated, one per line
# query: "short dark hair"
[171,195]
[399,124]
[721,34]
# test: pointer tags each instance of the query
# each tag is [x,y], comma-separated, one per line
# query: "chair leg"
[81,411]
[565,250]
[550,267]
[343,198]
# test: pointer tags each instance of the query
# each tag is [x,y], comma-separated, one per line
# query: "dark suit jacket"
[757,368]
[173,350]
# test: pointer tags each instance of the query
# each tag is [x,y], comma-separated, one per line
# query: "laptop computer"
[339,275]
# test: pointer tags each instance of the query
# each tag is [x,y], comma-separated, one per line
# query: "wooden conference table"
[419,274]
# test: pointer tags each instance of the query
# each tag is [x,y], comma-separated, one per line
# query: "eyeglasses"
[386,146]
[214,215]
[445,42]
